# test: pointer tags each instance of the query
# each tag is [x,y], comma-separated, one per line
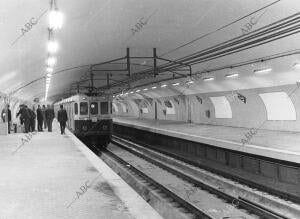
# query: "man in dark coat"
[49,113]
[19,113]
[25,116]
[32,119]
[40,119]
[44,116]
[62,118]
[6,113]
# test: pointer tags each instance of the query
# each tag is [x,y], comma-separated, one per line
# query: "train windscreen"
[83,108]
[94,108]
[104,107]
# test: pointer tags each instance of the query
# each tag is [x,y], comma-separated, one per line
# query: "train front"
[93,121]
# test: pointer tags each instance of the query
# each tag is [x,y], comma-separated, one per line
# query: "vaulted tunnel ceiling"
[96,31]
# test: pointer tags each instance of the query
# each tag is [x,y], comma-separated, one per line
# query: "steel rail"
[246,204]
[188,206]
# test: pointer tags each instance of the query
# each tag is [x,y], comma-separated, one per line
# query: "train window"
[76,108]
[104,107]
[94,108]
[83,108]
[111,108]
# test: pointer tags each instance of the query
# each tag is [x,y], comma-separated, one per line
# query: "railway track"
[198,198]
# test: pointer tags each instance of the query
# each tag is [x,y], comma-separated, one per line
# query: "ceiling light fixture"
[154,87]
[137,91]
[164,85]
[145,89]
[262,71]
[176,84]
[296,65]
[233,75]
[49,69]
[52,46]
[55,17]
[208,79]
[190,82]
[51,61]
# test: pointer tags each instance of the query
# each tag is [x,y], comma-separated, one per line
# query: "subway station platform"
[56,176]
[280,145]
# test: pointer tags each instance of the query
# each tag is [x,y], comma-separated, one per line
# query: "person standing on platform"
[44,116]
[6,112]
[32,119]
[39,114]
[62,118]
[49,117]
[25,116]
[19,113]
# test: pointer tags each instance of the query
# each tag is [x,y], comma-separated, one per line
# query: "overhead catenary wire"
[276,26]
[221,28]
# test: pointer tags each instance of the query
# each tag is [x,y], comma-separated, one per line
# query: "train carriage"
[89,118]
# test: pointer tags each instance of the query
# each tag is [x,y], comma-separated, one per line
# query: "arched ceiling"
[96,31]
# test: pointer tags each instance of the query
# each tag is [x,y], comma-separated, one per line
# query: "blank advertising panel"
[279,106]
[222,107]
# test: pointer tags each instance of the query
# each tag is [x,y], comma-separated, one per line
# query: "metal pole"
[154,62]
[92,81]
[78,88]
[128,61]
[107,80]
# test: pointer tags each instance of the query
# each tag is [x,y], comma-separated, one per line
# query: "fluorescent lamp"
[51,61]
[296,65]
[131,92]
[233,75]
[208,79]
[126,93]
[49,69]
[176,84]
[164,85]
[145,89]
[52,46]
[137,91]
[262,71]
[154,87]
[55,19]
[190,82]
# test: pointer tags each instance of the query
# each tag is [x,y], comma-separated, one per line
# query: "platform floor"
[275,144]
[55,176]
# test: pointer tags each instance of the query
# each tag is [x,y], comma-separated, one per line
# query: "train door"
[155,110]
[70,117]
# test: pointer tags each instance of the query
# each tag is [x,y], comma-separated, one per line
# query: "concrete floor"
[275,144]
[54,176]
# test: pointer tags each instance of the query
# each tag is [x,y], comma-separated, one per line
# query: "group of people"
[28,117]
[44,116]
